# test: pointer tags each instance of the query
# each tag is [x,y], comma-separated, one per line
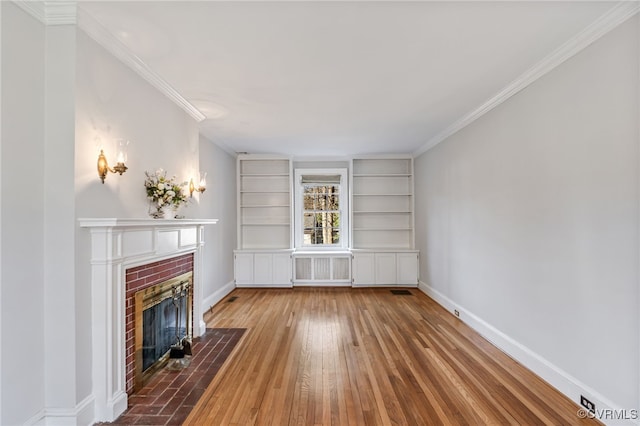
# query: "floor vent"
[401,292]
[232,299]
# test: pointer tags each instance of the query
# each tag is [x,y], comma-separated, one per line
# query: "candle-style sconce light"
[121,158]
[202,185]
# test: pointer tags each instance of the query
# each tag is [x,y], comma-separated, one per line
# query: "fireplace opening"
[163,318]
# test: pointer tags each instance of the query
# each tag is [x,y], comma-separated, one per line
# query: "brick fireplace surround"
[118,246]
[139,278]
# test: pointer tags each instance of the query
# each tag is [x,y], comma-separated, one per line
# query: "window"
[321,212]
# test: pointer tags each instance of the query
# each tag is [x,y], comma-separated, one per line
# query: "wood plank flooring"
[342,356]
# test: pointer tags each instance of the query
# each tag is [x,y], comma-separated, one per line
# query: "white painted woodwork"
[264,202]
[343,197]
[363,269]
[382,203]
[264,207]
[385,265]
[118,244]
[322,267]
[243,268]
[407,268]
[263,268]
[381,194]
[383,221]
[385,268]
[281,269]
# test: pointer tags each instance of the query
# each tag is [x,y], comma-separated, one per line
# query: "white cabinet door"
[385,267]
[244,268]
[282,269]
[407,268]
[363,269]
[262,268]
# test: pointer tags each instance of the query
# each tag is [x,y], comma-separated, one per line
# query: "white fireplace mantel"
[116,245]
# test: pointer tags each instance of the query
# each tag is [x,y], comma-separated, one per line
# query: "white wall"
[113,102]
[218,201]
[22,193]
[527,221]
[59,223]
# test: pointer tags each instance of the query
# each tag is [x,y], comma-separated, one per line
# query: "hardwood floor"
[338,356]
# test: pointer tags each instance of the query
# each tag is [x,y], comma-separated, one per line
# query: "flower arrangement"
[163,191]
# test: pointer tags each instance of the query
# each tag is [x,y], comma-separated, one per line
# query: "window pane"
[321,217]
[309,201]
[308,220]
[333,202]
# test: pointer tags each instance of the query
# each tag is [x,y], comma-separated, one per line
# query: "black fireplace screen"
[160,330]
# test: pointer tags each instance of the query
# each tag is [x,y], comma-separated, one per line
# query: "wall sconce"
[202,186]
[120,168]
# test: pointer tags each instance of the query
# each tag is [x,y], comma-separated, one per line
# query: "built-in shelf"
[382,203]
[381,217]
[264,202]
[263,257]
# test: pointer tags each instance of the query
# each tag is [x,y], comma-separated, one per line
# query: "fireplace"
[147,287]
[123,253]
[162,319]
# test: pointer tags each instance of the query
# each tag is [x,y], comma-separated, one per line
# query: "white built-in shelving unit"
[382,233]
[382,203]
[264,202]
[382,250]
[264,220]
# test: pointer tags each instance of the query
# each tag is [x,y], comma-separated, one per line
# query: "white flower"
[162,191]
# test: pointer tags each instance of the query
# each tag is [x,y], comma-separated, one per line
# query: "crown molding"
[601,26]
[50,13]
[61,12]
[103,37]
[33,8]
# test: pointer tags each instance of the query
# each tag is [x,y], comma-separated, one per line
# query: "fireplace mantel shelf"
[112,222]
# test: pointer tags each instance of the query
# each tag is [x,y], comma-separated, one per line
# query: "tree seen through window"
[321,217]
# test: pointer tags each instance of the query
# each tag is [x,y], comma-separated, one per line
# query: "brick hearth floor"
[171,395]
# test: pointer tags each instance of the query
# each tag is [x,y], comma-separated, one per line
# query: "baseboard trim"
[82,414]
[37,419]
[209,301]
[568,385]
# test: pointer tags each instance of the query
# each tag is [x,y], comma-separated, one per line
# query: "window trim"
[299,210]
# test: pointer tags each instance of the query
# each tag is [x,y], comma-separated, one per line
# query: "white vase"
[157,212]
[175,212]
